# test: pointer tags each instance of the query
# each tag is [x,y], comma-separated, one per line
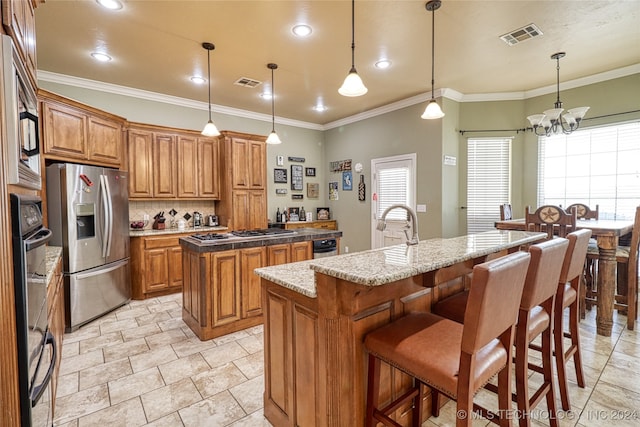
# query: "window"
[488,181]
[597,166]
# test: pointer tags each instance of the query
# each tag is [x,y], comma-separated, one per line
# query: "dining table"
[607,234]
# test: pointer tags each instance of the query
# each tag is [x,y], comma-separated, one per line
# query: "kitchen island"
[317,313]
[220,292]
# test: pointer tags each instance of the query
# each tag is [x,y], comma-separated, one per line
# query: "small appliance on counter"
[211,220]
[197,219]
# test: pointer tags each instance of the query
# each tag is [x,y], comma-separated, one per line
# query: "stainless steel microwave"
[21,117]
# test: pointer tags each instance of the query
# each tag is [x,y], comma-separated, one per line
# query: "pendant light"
[209,129]
[273,136]
[352,85]
[433,110]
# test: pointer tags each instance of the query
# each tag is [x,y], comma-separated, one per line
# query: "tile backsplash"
[137,210]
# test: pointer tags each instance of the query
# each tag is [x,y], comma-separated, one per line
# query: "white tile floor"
[142,366]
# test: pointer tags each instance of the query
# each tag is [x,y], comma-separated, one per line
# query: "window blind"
[488,181]
[598,166]
[393,188]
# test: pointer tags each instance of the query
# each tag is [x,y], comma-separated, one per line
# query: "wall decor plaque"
[294,214]
[281,191]
[333,190]
[347,181]
[297,196]
[313,190]
[323,213]
[296,159]
[340,165]
[296,177]
[280,176]
[310,171]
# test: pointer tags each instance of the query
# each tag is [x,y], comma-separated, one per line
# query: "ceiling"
[157,46]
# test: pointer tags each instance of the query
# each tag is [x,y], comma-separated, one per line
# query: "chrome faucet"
[382,223]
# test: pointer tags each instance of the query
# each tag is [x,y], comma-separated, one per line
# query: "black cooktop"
[209,236]
[261,232]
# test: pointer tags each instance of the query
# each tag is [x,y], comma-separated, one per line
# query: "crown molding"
[424,97]
[167,99]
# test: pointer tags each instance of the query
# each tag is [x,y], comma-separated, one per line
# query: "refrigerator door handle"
[108,216]
[100,271]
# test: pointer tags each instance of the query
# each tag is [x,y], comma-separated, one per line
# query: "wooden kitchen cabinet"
[55,305]
[156,265]
[301,251]
[250,259]
[225,293]
[18,18]
[279,254]
[328,224]
[76,132]
[243,198]
[168,163]
[208,168]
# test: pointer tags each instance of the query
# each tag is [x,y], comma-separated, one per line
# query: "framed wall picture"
[347,181]
[309,171]
[294,214]
[296,177]
[313,190]
[280,176]
[323,213]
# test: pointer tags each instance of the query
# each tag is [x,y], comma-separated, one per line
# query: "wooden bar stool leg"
[574,321]
[547,368]
[522,367]
[373,389]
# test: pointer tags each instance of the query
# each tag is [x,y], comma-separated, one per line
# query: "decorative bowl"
[138,225]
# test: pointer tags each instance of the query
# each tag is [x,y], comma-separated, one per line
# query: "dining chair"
[452,358]
[536,315]
[626,298]
[585,212]
[505,212]
[550,219]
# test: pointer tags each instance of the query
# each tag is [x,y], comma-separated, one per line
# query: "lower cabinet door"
[226,297]
[250,259]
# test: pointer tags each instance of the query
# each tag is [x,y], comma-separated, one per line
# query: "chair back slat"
[576,253]
[494,298]
[551,219]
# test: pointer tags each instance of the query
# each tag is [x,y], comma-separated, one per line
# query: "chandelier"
[554,120]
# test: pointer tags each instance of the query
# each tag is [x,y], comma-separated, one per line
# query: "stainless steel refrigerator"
[88,212]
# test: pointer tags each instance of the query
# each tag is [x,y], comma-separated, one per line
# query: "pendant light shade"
[209,129]
[433,110]
[273,136]
[352,85]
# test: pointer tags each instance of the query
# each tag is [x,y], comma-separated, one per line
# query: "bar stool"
[455,359]
[535,318]
[569,289]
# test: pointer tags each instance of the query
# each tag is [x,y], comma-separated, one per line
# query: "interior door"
[393,180]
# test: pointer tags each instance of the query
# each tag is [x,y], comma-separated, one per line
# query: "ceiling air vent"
[521,34]
[247,82]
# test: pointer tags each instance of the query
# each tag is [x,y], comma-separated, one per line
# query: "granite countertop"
[54,253]
[385,265]
[193,230]
[234,242]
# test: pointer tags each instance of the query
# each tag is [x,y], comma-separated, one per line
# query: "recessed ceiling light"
[383,63]
[110,4]
[100,56]
[198,80]
[301,30]
[320,108]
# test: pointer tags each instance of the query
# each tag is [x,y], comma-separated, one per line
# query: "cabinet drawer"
[163,242]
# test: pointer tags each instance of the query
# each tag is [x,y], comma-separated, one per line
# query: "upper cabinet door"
[240,158]
[164,160]
[256,165]
[187,166]
[105,141]
[65,131]
[140,163]
[208,168]
[18,17]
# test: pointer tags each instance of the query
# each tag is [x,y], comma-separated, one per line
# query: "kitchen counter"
[380,266]
[193,230]
[53,255]
[235,242]
[317,313]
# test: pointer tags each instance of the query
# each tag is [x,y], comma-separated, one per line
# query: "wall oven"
[21,114]
[36,345]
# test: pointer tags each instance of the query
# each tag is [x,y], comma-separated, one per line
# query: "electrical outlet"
[346,249]
[421,208]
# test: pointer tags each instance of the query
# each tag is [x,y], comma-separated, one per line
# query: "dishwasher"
[324,248]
